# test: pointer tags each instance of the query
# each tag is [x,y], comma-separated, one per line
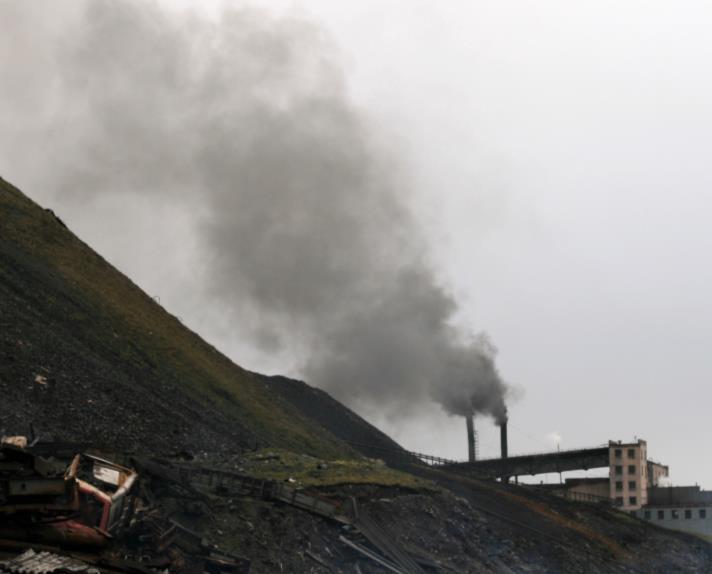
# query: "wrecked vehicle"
[44,500]
[54,500]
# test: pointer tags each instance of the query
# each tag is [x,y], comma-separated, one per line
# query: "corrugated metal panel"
[32,562]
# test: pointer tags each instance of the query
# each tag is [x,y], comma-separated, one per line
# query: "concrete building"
[593,489]
[656,471]
[684,508]
[633,484]
[630,476]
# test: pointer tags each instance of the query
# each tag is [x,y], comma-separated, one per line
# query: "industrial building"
[684,508]
[633,483]
[630,473]
[630,477]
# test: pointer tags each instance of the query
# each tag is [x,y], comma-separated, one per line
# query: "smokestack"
[470,420]
[503,438]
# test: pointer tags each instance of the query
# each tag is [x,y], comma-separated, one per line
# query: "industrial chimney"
[471,452]
[503,438]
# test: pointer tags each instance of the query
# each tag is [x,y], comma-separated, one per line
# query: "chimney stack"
[503,438]
[470,420]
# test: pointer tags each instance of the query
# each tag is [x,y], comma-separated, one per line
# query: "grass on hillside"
[304,470]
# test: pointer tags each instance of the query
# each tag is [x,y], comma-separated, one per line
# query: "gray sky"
[555,156]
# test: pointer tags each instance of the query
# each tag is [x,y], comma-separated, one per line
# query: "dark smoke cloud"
[303,221]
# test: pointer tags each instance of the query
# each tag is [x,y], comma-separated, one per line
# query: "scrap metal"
[198,478]
[84,503]
[31,562]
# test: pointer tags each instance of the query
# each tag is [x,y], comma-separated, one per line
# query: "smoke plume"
[303,222]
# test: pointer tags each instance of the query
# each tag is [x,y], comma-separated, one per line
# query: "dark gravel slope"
[86,356]
[338,419]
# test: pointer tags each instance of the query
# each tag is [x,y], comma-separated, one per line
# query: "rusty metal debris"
[92,504]
[84,503]
[87,502]
[379,538]
[201,479]
[383,548]
[371,555]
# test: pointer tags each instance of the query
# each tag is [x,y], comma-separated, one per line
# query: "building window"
[661,515]
[619,470]
[619,453]
[632,500]
[647,515]
[675,514]
[619,501]
[619,485]
[688,514]
[703,513]
[631,485]
[631,453]
[631,469]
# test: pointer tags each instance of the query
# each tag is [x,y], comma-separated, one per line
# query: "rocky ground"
[454,531]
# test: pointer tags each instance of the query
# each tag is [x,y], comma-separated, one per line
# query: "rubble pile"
[90,504]
[62,511]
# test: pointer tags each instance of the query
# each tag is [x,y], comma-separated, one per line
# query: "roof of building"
[640,442]
[679,496]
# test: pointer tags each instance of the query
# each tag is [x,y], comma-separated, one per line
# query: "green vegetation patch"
[305,470]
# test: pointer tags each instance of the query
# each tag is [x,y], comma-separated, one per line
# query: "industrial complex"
[634,483]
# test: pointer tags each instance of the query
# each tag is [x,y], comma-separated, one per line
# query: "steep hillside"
[85,355]
[338,419]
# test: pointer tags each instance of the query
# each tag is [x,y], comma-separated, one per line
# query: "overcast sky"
[557,157]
